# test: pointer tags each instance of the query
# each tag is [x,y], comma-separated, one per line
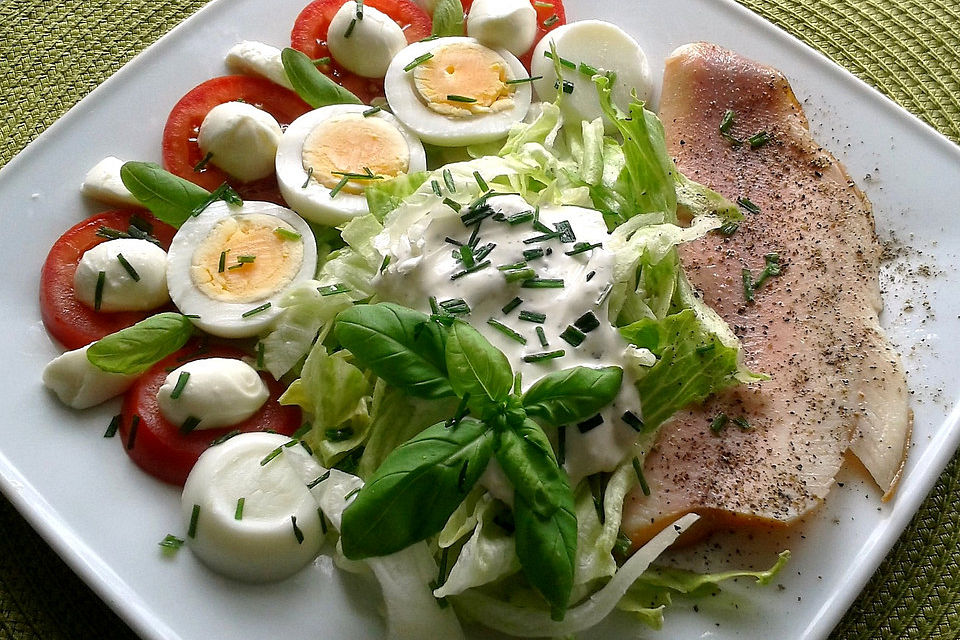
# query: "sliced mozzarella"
[598,44]
[103,183]
[134,275]
[308,189]
[259,59]
[266,249]
[241,139]
[277,530]
[81,384]
[439,114]
[503,24]
[219,392]
[364,45]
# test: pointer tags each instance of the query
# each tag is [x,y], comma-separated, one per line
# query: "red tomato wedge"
[550,15]
[181,153]
[309,35]
[71,322]
[158,447]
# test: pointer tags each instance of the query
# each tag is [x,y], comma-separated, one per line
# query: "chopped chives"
[519,218]
[590,275]
[112,427]
[524,274]
[473,269]
[339,435]
[270,456]
[480,181]
[434,305]
[542,283]
[466,256]
[339,186]
[522,80]
[349,31]
[318,479]
[590,423]
[224,437]
[448,180]
[239,265]
[238,514]
[741,422]
[436,188]
[453,241]
[566,231]
[194,517]
[510,306]
[296,530]
[563,61]
[307,181]
[512,267]
[98,292]
[583,247]
[533,316]
[323,521]
[255,310]
[573,336]
[171,543]
[286,234]
[385,263]
[455,306]
[351,494]
[632,421]
[759,139]
[532,254]
[561,445]
[482,252]
[246,259]
[550,235]
[772,268]
[507,331]
[129,267]
[417,62]
[587,322]
[200,166]
[453,204]
[132,436]
[306,447]
[181,383]
[542,336]
[302,431]
[323,60]
[747,285]
[552,20]
[465,99]
[546,355]
[638,469]
[719,422]
[565,85]
[474,236]
[745,204]
[727,121]
[359,9]
[587,69]
[728,228]
[189,424]
[332,289]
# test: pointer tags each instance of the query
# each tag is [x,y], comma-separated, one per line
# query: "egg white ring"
[451,131]
[216,317]
[314,202]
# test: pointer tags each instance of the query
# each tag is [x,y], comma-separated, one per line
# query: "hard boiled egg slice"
[585,46]
[228,266]
[455,91]
[328,156]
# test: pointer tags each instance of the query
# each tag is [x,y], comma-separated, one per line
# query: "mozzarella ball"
[275,531]
[134,276]
[503,24]
[364,45]
[603,46]
[455,91]
[219,392]
[79,383]
[229,265]
[103,183]
[241,139]
[336,144]
[259,59]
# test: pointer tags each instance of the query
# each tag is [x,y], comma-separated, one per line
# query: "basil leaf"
[573,394]
[316,89]
[135,349]
[476,367]
[543,512]
[448,18]
[399,344]
[170,198]
[418,486]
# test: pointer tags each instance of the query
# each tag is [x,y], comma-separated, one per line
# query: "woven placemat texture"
[54,53]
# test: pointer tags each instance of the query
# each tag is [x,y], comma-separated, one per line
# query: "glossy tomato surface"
[309,35]
[157,445]
[71,322]
[181,153]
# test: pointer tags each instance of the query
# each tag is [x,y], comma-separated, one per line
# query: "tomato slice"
[309,35]
[550,15]
[71,322]
[158,447]
[182,154]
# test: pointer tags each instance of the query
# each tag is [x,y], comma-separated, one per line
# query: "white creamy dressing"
[423,263]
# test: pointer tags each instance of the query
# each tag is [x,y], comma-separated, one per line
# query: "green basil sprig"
[170,198]
[316,89]
[448,18]
[135,349]
[421,483]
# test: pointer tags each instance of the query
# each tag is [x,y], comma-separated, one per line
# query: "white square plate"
[105,517]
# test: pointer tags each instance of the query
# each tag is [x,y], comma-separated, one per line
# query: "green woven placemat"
[54,53]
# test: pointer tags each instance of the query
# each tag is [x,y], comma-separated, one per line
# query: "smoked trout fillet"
[835,381]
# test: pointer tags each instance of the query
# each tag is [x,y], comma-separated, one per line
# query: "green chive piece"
[286,234]
[522,80]
[757,140]
[224,437]
[296,530]
[573,336]
[132,436]
[464,99]
[507,331]
[747,285]
[436,188]
[261,349]
[319,479]
[238,514]
[542,336]
[473,269]
[728,228]
[200,166]
[255,310]
[194,516]
[351,494]
[448,181]
[638,469]
[323,521]
[417,61]
[546,355]
[519,218]
[466,256]
[455,306]
[563,61]
[632,421]
[510,306]
[533,254]
[583,247]
[339,186]
[587,322]
[453,204]
[587,70]
[542,283]
[742,422]
[385,263]
[772,268]
[307,181]
[181,383]
[590,423]
[98,292]
[480,181]
[550,235]
[726,123]
[129,267]
[349,31]
[533,316]
[566,86]
[171,543]
[189,424]
[270,456]
[359,9]
[223,262]
[552,20]
[323,60]
[519,274]
[113,426]
[746,205]
[719,422]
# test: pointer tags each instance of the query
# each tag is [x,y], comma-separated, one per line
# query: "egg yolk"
[354,145]
[463,79]
[244,258]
